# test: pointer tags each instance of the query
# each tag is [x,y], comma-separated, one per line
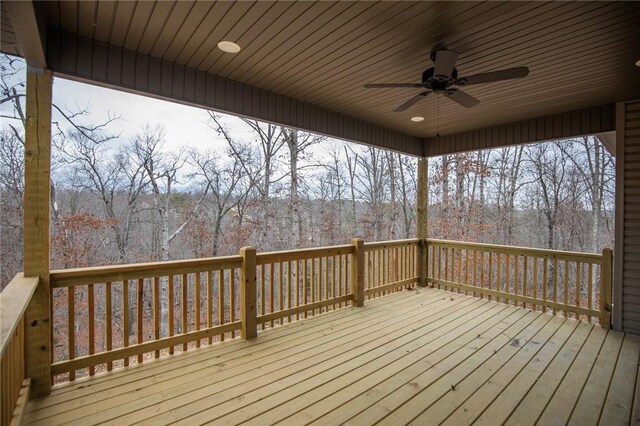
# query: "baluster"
[280,293]
[566,288]
[262,290]
[139,311]
[221,301]
[545,276]
[481,254]
[196,315]
[590,289]
[108,322]
[71,314]
[336,277]
[210,302]
[171,311]
[326,281]
[555,282]
[525,278]
[535,280]
[156,311]
[92,326]
[125,317]
[232,297]
[305,298]
[271,289]
[578,286]
[184,304]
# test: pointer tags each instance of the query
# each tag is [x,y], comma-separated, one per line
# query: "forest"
[145,198]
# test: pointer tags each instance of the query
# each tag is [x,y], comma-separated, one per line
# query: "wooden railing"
[14,386]
[108,316]
[300,283]
[390,266]
[571,283]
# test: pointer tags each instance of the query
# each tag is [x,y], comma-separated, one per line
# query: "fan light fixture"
[228,46]
[417,119]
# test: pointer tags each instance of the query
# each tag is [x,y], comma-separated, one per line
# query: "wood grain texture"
[37,195]
[406,357]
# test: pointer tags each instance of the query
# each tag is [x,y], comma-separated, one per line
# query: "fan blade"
[444,63]
[411,102]
[490,77]
[464,99]
[383,85]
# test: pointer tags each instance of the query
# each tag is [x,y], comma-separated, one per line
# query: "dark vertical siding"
[588,121]
[628,169]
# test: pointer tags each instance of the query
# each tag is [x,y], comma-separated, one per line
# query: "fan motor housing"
[438,83]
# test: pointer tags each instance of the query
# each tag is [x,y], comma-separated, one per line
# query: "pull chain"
[437,116]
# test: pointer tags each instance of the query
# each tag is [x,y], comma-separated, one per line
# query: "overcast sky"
[184,125]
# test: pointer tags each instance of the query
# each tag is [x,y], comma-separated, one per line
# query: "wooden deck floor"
[420,357]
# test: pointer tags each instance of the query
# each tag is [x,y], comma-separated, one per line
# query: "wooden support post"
[248,312]
[421,220]
[357,272]
[605,288]
[37,193]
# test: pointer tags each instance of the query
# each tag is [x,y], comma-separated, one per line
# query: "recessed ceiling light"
[638,63]
[416,119]
[228,46]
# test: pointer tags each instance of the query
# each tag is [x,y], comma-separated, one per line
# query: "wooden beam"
[248,308]
[618,267]
[29,30]
[357,271]
[14,300]
[37,191]
[605,288]
[421,219]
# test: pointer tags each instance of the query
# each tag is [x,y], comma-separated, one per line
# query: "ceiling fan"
[443,78]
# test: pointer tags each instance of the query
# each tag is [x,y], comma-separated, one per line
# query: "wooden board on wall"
[627,260]
[587,121]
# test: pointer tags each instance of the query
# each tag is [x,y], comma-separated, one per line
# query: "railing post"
[421,220]
[357,272]
[248,310]
[37,194]
[605,288]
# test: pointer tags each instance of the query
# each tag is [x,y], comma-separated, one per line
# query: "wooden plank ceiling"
[580,54]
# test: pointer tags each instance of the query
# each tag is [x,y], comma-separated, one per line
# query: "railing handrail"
[14,300]
[100,274]
[390,243]
[299,254]
[561,254]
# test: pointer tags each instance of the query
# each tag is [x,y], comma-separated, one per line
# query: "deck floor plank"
[141,396]
[508,386]
[563,400]
[532,405]
[381,400]
[341,405]
[182,402]
[361,373]
[422,357]
[368,356]
[619,403]
[462,390]
[594,392]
